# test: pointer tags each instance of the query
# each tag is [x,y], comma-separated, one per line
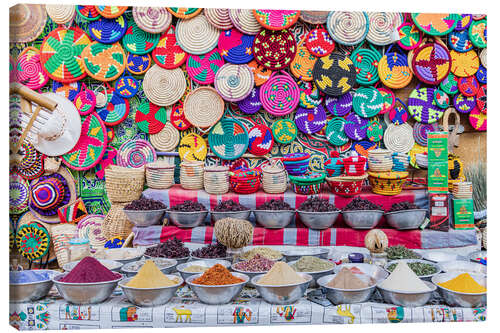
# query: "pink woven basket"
[280,94]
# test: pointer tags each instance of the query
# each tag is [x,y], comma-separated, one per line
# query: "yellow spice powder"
[150,276]
[463,283]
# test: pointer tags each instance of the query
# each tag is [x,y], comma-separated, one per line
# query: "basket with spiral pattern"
[366,64]
[108,31]
[135,154]
[280,94]
[284,131]
[431,63]
[347,28]
[138,41]
[160,174]
[191,175]
[124,184]
[387,183]
[382,26]
[196,36]
[228,139]
[104,62]
[274,50]
[203,107]
[334,74]
[193,148]
[154,20]
[393,69]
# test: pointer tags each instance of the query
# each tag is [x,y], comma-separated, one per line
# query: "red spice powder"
[217,275]
[89,270]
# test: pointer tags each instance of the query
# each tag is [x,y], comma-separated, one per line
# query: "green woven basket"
[228,139]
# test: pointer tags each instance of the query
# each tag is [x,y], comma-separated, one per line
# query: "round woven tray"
[339,106]
[135,154]
[104,62]
[138,41]
[154,20]
[335,132]
[464,104]
[478,120]
[310,96]
[203,107]
[150,118]
[197,35]
[18,194]
[355,127]
[115,110]
[303,64]
[177,117]
[314,16]
[477,33]
[399,138]
[228,139]
[420,132]
[274,50]
[375,131]
[394,71]
[90,227]
[273,19]
[236,47]
[164,87]
[367,102]
[88,13]
[184,12]
[334,74]
[366,64]
[483,56]
[279,95]
[468,86]
[29,71]
[435,24]
[459,41]
[61,14]
[431,63]
[260,140]
[464,64]
[422,106]
[284,131]
[244,21]
[193,148]
[234,82]
[111,11]
[347,28]
[450,84]
[310,121]
[68,90]
[168,54]
[260,73]
[251,104]
[382,26]
[167,139]
[319,42]
[108,31]
[202,68]
[410,36]
[138,64]
[219,18]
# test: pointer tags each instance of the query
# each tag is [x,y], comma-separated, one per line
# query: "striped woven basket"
[124,184]
[191,176]
[274,177]
[216,179]
[160,175]
[387,183]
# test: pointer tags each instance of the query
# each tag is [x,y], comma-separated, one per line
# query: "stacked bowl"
[380,160]
[296,164]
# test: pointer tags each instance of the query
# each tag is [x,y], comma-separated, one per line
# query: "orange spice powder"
[217,275]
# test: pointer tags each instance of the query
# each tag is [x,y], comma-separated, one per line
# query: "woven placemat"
[251,104]
[192,148]
[334,74]
[127,86]
[464,64]
[393,70]
[26,22]
[218,17]
[459,41]
[335,132]
[202,68]
[375,131]
[164,87]
[366,64]
[314,16]
[274,50]
[177,117]
[184,12]
[167,139]
[399,138]
[302,64]
[273,19]
[61,14]
[481,99]
[339,106]
[481,74]
[382,26]
[431,63]
[279,95]
[477,33]
[420,132]
[347,28]
[18,194]
[310,96]
[478,120]
[236,47]
[244,21]
[284,131]
[135,154]
[367,102]
[310,121]
[422,106]
[410,36]
[468,86]
[355,126]
[60,54]
[464,104]
[150,118]
[88,12]
[203,107]
[115,111]
[389,99]
[108,31]
[260,140]
[260,73]
[196,35]
[104,62]
[85,102]
[319,42]
[138,64]
[111,11]
[29,71]
[234,82]
[138,41]
[168,54]
[435,24]
[154,20]
[450,84]
[228,139]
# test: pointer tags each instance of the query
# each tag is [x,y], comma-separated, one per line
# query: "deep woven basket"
[191,175]
[274,177]
[216,179]
[346,186]
[116,223]
[124,184]
[387,183]
[160,175]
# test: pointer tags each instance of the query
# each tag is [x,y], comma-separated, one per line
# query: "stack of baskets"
[346,186]
[191,175]
[296,164]
[124,184]
[462,190]
[160,174]
[387,183]
[334,166]
[421,160]
[380,160]
[308,184]
[400,161]
[216,179]
[354,165]
[245,181]
[274,177]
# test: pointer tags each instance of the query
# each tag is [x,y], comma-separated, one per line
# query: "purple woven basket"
[355,127]
[339,106]
[251,104]
[464,104]
[310,121]
[421,130]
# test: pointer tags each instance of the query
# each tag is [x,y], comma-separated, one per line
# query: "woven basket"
[164,87]
[245,21]
[124,184]
[274,177]
[196,36]
[167,139]
[380,160]
[387,183]
[234,82]
[346,186]
[218,17]
[382,26]
[216,179]
[152,19]
[400,161]
[160,175]
[61,234]
[347,28]
[191,176]
[399,138]
[116,223]
[203,107]
[61,14]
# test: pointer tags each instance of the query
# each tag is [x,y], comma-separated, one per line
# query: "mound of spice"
[145,204]
[195,269]
[400,252]
[311,264]
[28,276]
[404,279]
[150,276]
[217,275]
[263,251]
[171,248]
[420,268]
[89,270]
[346,278]
[188,206]
[317,204]
[464,283]
[275,204]
[405,205]
[361,204]
[257,264]
[211,251]
[229,206]
[280,274]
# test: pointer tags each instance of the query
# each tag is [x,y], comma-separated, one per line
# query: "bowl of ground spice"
[313,266]
[89,282]
[317,213]
[217,285]
[424,269]
[144,212]
[166,266]
[230,208]
[274,214]
[188,214]
[462,289]
[405,215]
[253,267]
[266,252]
[112,265]
[362,214]
[401,252]
[195,267]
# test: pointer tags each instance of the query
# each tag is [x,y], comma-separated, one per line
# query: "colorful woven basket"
[18,194]
[481,74]
[387,183]
[478,120]
[203,107]
[367,102]
[284,131]
[251,104]
[410,36]
[347,28]
[88,13]
[104,62]
[459,41]
[464,64]
[30,165]
[219,18]
[29,71]
[310,121]
[245,21]
[260,140]
[355,126]
[228,139]
[389,100]
[335,132]
[431,63]
[308,184]
[138,41]
[138,64]
[184,12]
[279,95]
[32,241]
[435,24]
[127,86]
[375,131]
[399,138]
[163,86]
[26,22]
[481,99]
[61,54]
[274,50]
[196,36]
[111,11]
[135,154]
[393,69]
[260,73]
[303,64]
[450,84]
[85,102]
[366,64]
[202,68]
[150,118]
[234,82]
[235,47]
[310,96]
[168,53]
[154,20]
[468,86]
[116,110]
[108,31]
[334,74]
[382,26]
[245,181]
[354,165]
[477,33]
[423,107]
[193,148]
[61,14]
[399,113]
[464,22]
[276,19]
[90,148]
[464,104]
[319,43]
[177,117]
[339,106]
[346,186]
[420,132]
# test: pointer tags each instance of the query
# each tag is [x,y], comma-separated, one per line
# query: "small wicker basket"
[116,223]
[124,184]
[216,179]
[274,177]
[387,183]
[160,175]
[191,176]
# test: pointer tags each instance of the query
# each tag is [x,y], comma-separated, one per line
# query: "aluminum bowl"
[440,256]
[136,253]
[423,277]
[274,219]
[28,292]
[226,258]
[406,219]
[316,275]
[454,298]
[147,297]
[463,266]
[165,265]
[145,218]
[296,254]
[282,294]
[85,293]
[407,299]
[187,219]
[216,295]
[251,275]
[241,215]
[362,219]
[318,220]
[179,260]
[477,254]
[112,265]
[205,263]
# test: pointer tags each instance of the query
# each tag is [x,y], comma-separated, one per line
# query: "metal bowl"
[112,265]
[179,260]
[216,295]
[407,299]
[423,277]
[147,297]
[362,219]
[165,265]
[318,220]
[251,275]
[296,254]
[282,294]
[462,266]
[477,254]
[85,293]
[145,218]
[241,214]
[227,258]
[205,263]
[316,275]
[406,219]
[454,298]
[187,219]
[274,219]
[440,256]
[136,254]
[28,292]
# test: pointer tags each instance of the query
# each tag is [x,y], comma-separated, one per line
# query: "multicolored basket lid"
[251,104]
[61,54]
[104,62]
[33,241]
[421,131]
[481,99]
[348,28]
[410,36]
[367,102]
[393,69]
[274,50]
[108,31]
[335,132]
[138,41]
[464,104]
[235,47]
[29,71]
[168,54]
[127,86]
[339,106]
[234,82]
[111,11]
[68,90]
[334,74]
[481,74]
[464,63]
[276,19]
[302,64]
[177,117]
[184,12]
[310,96]
[138,64]
[30,165]
[202,68]
[464,22]
[478,120]
[284,131]
[459,41]
[450,84]
[154,20]
[436,24]
[279,95]
[196,35]
[260,140]
[356,126]
[192,147]
[422,105]
[18,194]
[398,114]
[375,131]
[381,27]
[90,148]
[219,18]
[116,109]
[310,121]
[389,99]
[468,86]
[85,102]
[88,13]
[477,33]
[366,64]
[150,118]
[135,154]
[431,63]
[319,42]
[260,73]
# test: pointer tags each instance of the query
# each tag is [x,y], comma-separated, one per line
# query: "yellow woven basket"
[387,183]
